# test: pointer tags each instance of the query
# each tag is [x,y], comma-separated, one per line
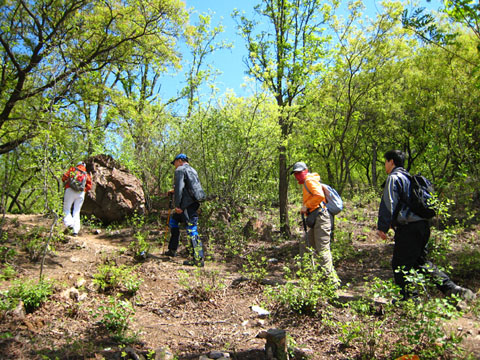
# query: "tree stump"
[276,345]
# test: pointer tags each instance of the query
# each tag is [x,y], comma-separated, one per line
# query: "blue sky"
[230,61]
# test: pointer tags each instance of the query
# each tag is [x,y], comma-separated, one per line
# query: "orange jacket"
[316,196]
[88,184]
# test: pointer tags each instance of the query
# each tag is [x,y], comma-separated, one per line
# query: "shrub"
[203,284]
[31,293]
[306,289]
[111,277]
[116,314]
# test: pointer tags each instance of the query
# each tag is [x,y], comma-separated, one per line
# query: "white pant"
[72,216]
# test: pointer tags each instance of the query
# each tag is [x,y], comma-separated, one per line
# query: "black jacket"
[397,187]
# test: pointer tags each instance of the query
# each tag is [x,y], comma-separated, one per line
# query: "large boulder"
[115,193]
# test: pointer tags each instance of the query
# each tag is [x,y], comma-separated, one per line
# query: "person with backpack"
[412,231]
[188,194]
[76,182]
[318,218]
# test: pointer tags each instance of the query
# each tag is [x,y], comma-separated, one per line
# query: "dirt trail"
[169,309]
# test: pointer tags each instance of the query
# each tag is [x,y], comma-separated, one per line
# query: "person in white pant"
[77,182]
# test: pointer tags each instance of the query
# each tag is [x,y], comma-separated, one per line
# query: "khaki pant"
[318,238]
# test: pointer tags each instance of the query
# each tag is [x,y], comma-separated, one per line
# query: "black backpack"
[421,191]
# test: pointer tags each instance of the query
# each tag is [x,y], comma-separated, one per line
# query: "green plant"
[136,221]
[342,247]
[256,267]
[115,315]
[111,277]
[203,284]
[6,253]
[7,272]
[139,246]
[307,289]
[418,322]
[33,294]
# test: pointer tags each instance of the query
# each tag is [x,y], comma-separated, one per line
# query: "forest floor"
[191,311]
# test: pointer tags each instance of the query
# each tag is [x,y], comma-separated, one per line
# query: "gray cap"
[299,166]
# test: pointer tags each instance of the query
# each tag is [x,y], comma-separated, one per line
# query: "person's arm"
[67,174]
[179,187]
[88,184]
[316,192]
[388,204]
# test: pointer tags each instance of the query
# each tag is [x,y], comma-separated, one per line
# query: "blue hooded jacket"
[397,187]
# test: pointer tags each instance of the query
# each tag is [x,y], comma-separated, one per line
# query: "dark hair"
[397,156]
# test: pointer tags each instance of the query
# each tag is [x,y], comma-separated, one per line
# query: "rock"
[163,354]
[115,194]
[19,311]
[260,311]
[71,293]
[80,282]
[303,353]
[218,355]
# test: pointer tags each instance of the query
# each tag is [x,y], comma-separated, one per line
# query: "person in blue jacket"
[186,210]
[412,232]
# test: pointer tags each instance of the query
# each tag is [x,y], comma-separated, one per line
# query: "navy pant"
[190,217]
[410,252]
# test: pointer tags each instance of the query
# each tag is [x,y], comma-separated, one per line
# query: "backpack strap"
[308,190]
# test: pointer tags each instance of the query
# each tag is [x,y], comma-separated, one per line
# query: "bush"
[306,289]
[116,315]
[111,277]
[31,293]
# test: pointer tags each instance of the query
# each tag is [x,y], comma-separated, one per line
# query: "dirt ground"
[170,316]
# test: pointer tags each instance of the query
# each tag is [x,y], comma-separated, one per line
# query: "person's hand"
[381,234]
[170,192]
[178,210]
[304,210]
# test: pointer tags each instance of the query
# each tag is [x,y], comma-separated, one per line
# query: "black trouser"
[410,252]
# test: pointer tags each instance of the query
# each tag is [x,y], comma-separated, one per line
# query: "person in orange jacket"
[76,182]
[317,237]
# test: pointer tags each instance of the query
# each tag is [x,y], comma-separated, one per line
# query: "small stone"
[260,311]
[163,354]
[80,282]
[215,355]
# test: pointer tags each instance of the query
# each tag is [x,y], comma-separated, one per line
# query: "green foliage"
[111,277]
[33,294]
[256,267]
[7,272]
[419,323]
[116,314]
[201,284]
[467,263]
[342,246]
[140,246]
[307,291]
[6,253]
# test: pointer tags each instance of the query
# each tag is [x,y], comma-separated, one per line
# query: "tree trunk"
[374,165]
[283,192]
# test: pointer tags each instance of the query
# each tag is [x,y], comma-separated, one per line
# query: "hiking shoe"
[170,253]
[464,293]
[199,263]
